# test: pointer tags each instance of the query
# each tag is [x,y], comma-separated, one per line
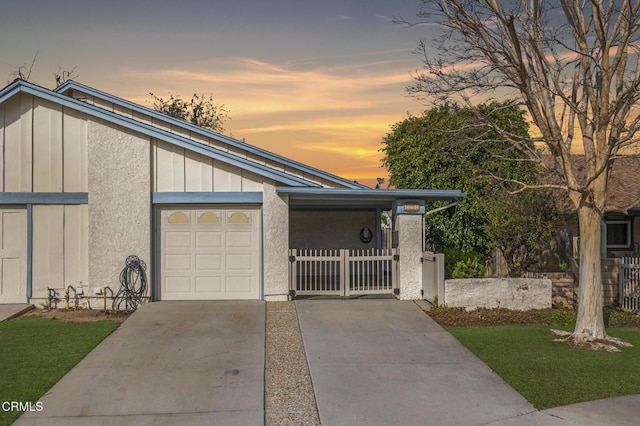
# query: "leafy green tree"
[200,110]
[432,151]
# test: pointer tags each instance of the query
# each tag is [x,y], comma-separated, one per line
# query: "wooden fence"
[342,272]
[629,286]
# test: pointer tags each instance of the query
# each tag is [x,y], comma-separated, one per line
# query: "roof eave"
[72,85]
[151,131]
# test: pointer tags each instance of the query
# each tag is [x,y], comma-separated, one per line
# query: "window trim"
[629,234]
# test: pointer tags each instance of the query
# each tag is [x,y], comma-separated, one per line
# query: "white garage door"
[13,255]
[209,254]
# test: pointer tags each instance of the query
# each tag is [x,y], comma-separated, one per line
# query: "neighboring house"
[622,231]
[621,221]
[88,179]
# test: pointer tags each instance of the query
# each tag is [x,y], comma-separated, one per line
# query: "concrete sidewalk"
[169,363]
[12,310]
[385,362]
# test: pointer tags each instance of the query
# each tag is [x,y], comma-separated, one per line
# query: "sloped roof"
[623,191]
[624,182]
[312,171]
[21,86]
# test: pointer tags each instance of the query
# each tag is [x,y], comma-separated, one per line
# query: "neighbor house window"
[618,234]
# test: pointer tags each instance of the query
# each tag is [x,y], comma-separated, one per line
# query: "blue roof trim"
[44,198]
[395,194]
[206,198]
[155,132]
[359,199]
[233,142]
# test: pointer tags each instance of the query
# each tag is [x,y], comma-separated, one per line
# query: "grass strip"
[551,374]
[36,352]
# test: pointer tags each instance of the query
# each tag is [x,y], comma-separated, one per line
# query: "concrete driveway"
[170,363]
[385,362]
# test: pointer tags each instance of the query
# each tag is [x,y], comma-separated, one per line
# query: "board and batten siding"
[59,230]
[178,170]
[43,147]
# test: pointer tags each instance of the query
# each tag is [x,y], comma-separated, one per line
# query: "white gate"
[629,284]
[342,272]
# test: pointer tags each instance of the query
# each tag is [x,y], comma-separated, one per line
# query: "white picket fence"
[342,272]
[629,284]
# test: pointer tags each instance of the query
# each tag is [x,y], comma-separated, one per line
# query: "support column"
[275,243]
[409,227]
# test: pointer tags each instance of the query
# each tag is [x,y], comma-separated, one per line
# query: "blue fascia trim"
[206,198]
[155,132]
[44,198]
[152,271]
[262,253]
[29,251]
[387,194]
[72,85]
[9,91]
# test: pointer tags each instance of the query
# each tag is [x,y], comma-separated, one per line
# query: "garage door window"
[178,217]
[239,218]
[209,218]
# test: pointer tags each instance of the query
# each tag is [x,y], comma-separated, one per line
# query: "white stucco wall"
[119,202]
[275,243]
[410,233]
[330,229]
[509,293]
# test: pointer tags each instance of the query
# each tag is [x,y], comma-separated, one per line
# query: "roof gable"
[21,86]
[72,85]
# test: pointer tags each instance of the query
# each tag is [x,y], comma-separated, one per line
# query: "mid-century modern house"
[88,179]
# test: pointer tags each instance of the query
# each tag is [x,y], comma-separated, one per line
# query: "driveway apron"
[385,362]
[169,363]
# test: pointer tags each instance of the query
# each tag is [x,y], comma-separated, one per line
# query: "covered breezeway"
[337,246]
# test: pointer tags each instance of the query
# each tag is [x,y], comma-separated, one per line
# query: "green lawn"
[551,374]
[36,352]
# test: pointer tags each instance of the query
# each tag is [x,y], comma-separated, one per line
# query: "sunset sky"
[316,81]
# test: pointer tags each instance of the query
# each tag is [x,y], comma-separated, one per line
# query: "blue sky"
[319,82]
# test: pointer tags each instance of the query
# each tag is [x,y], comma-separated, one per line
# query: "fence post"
[439,277]
[619,263]
[293,284]
[344,271]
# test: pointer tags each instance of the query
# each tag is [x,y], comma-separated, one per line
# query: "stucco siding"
[275,243]
[60,248]
[410,242]
[330,229]
[119,202]
[509,293]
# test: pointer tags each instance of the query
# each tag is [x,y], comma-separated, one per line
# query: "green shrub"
[469,268]
[616,317]
[459,264]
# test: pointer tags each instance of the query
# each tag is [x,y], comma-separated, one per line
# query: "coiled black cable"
[133,285]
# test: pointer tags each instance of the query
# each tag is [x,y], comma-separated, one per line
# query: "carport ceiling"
[360,199]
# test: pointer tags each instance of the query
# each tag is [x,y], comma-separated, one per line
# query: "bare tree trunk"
[590,321]
[589,331]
